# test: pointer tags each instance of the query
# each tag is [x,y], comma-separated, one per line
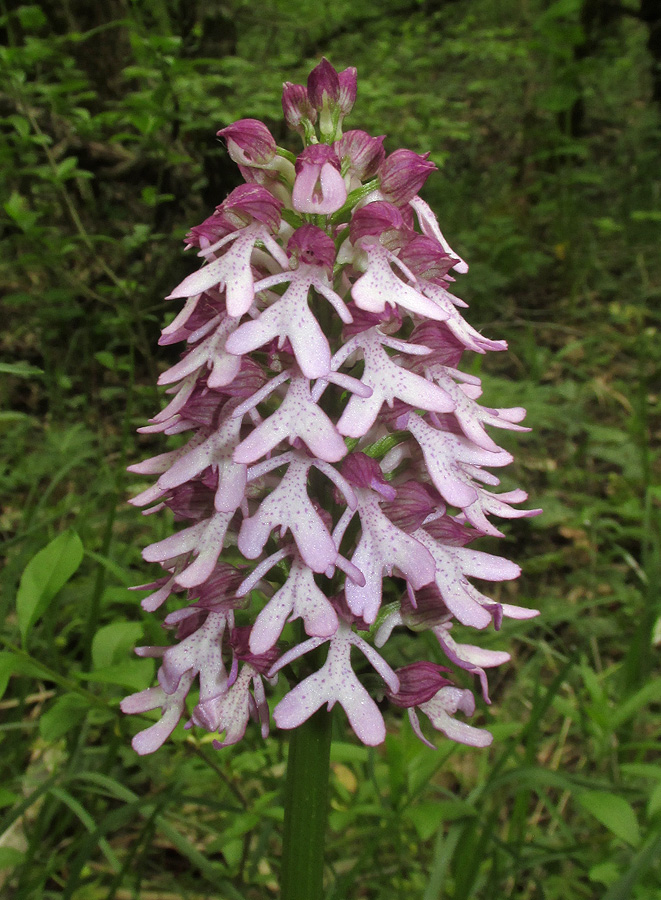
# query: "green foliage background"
[543,116]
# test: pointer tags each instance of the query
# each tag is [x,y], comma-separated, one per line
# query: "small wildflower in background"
[336,452]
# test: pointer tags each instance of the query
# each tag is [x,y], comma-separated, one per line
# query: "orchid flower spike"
[334,450]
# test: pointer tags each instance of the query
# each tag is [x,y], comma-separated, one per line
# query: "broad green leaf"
[44,576]
[106,359]
[20,369]
[66,713]
[31,17]
[614,812]
[9,857]
[114,643]
[428,817]
[654,802]
[17,208]
[8,798]
[605,873]
[133,674]
[13,664]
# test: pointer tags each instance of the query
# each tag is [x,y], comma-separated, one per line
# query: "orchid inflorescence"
[336,454]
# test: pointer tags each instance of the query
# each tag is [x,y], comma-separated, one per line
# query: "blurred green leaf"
[114,642]
[614,812]
[66,713]
[44,576]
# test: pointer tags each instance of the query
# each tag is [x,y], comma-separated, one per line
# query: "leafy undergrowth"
[107,158]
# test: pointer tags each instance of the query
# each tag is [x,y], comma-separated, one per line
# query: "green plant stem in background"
[306,809]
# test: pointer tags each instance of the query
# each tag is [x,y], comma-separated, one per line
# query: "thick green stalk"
[306,809]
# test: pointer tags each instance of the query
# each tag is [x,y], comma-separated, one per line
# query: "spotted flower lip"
[334,454]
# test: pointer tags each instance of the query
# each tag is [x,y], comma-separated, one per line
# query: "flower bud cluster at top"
[335,452]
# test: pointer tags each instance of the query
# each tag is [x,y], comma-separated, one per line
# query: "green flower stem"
[306,809]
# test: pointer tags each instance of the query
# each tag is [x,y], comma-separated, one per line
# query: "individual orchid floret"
[299,597]
[440,711]
[402,174]
[249,142]
[426,258]
[379,219]
[418,682]
[380,285]
[319,188]
[382,547]
[232,271]
[298,416]
[429,226]
[311,245]
[229,712]
[252,203]
[453,567]
[334,683]
[289,507]
[447,457]
[386,380]
[289,317]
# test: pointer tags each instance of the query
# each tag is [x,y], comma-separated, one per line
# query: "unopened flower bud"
[296,106]
[361,153]
[403,174]
[251,202]
[249,142]
[324,85]
[348,81]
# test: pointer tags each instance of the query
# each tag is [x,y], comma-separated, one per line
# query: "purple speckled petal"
[379,285]
[382,547]
[288,506]
[297,416]
[440,710]
[289,317]
[388,381]
[334,683]
[298,597]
